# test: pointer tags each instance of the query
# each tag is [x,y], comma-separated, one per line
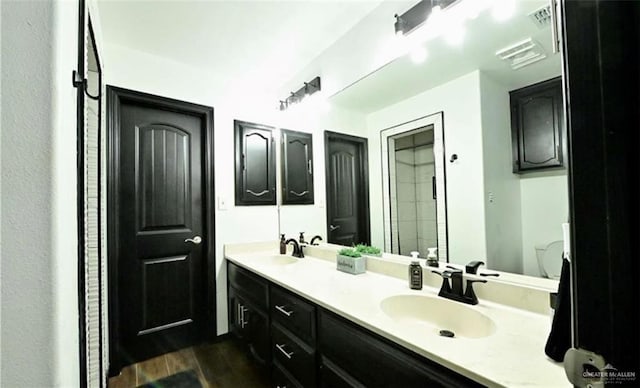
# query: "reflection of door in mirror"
[413,197]
[347,189]
[414,191]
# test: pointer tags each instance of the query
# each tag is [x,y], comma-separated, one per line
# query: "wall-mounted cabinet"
[297,168]
[537,126]
[255,166]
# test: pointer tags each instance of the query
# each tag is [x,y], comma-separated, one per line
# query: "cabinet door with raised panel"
[297,168]
[255,170]
[250,324]
[537,126]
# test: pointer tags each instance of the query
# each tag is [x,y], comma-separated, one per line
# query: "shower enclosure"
[413,207]
[414,192]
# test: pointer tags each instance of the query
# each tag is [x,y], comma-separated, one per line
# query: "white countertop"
[513,356]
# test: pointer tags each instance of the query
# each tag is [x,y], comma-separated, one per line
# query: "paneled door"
[163,233]
[297,168]
[347,184]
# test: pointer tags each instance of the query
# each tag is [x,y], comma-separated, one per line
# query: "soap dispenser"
[415,272]
[432,258]
[283,245]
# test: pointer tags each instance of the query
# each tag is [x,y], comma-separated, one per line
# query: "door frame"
[363,145]
[115,97]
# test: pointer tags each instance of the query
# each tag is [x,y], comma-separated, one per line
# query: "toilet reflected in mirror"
[549,258]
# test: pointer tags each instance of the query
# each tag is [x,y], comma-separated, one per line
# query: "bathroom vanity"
[315,326]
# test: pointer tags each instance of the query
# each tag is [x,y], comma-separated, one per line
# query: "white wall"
[545,206]
[369,45]
[152,74]
[460,101]
[38,226]
[502,187]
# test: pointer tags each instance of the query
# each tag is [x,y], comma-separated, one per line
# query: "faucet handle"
[446,287]
[301,239]
[469,293]
[473,266]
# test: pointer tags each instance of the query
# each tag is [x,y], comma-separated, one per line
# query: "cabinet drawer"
[294,356]
[249,285]
[374,362]
[294,313]
[282,379]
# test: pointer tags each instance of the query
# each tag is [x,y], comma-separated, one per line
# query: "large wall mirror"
[493,180]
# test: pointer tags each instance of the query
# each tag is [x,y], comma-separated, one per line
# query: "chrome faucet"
[454,290]
[297,248]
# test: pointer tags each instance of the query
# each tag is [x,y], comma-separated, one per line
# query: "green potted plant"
[368,250]
[351,261]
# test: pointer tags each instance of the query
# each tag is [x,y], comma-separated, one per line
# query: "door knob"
[332,227]
[196,240]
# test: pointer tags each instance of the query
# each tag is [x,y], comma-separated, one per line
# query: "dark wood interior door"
[347,178]
[161,268]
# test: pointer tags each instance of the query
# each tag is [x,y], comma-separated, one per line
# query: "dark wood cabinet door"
[373,361]
[250,324]
[297,168]
[254,164]
[537,126]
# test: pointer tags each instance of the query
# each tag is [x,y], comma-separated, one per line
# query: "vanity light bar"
[295,97]
[417,15]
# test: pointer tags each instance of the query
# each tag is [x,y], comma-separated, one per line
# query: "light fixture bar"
[417,15]
[306,90]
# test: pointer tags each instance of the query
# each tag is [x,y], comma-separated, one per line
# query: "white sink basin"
[438,314]
[275,259]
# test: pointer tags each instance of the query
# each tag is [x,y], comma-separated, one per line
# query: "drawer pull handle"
[286,354]
[282,310]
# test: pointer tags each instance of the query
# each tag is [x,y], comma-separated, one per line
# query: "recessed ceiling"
[269,39]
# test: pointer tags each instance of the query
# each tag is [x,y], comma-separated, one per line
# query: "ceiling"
[401,78]
[268,40]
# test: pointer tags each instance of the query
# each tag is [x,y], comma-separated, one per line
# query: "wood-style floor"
[218,365]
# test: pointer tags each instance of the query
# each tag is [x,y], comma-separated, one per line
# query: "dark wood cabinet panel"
[255,166]
[294,356]
[537,126]
[375,362]
[248,314]
[332,376]
[296,314]
[308,346]
[297,168]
